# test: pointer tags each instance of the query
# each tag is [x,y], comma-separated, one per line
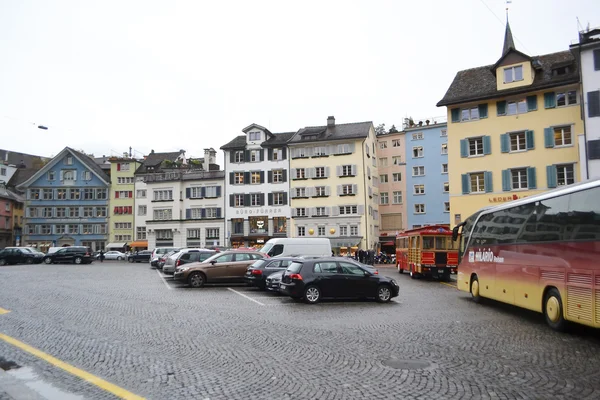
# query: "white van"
[297,247]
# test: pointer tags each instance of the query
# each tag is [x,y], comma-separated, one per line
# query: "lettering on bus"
[484,256]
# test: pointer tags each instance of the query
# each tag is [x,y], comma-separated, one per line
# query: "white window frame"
[479,182]
[419,189]
[383,162]
[519,173]
[566,97]
[419,208]
[278,199]
[444,148]
[417,152]
[383,178]
[321,230]
[300,173]
[562,135]
[301,231]
[396,160]
[253,136]
[238,156]
[142,209]
[320,172]
[420,169]
[383,144]
[238,178]
[469,114]
[396,143]
[444,168]
[513,74]
[254,155]
[565,174]
[520,141]
[384,198]
[277,176]
[475,141]
[238,200]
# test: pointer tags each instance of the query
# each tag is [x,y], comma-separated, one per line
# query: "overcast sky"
[169,75]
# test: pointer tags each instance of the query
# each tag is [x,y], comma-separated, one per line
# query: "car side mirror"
[213,262]
[367,273]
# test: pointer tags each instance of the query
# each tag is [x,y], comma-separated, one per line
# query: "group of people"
[365,256]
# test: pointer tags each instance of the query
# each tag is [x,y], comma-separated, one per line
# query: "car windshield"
[294,267]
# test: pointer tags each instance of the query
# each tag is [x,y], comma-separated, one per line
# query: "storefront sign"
[502,199]
[258,211]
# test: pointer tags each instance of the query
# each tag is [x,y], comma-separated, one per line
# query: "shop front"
[387,244]
[345,247]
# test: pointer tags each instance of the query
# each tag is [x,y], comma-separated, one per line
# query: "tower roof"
[509,43]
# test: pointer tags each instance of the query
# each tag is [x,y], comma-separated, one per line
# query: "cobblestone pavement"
[161,340]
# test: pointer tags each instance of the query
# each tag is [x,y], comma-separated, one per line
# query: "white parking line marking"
[163,279]
[243,295]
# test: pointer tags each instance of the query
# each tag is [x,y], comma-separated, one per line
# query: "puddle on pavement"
[33,381]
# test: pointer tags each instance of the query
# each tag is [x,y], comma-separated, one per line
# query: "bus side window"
[584,215]
[428,242]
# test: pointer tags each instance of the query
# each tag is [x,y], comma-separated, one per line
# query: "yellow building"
[515,129]
[333,185]
[122,206]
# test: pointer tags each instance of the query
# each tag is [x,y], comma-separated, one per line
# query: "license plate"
[441,270]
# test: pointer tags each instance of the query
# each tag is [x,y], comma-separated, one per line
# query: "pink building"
[6,220]
[392,188]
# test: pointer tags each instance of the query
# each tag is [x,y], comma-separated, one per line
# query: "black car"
[140,256]
[20,255]
[72,254]
[272,282]
[315,279]
[257,273]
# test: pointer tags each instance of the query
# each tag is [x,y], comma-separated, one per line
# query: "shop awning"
[349,242]
[387,243]
[139,243]
[116,245]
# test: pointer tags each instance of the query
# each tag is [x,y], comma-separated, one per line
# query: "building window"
[87,229]
[443,133]
[255,177]
[384,198]
[348,210]
[211,212]
[238,200]
[101,212]
[395,142]
[193,233]
[446,206]
[87,176]
[396,160]
[347,189]
[516,107]
[60,229]
[397,177]
[61,212]
[476,146]
[163,214]
[517,141]
[48,194]
[73,212]
[562,136]
[566,98]
[300,192]
[278,199]
[301,212]
[195,193]
[519,178]
[320,211]
[124,194]
[320,191]
[444,168]
[255,155]
[68,175]
[123,167]
[88,212]
[383,162]
[141,233]
[513,74]
[320,151]
[477,182]
[254,136]
[446,187]
[469,114]
[353,230]
[343,231]
[239,157]
[278,176]
[277,154]
[280,225]
[61,194]
[34,194]
[383,178]
[238,226]
[164,234]
[74,229]
[163,195]
[3,172]
[383,145]
[123,225]
[101,194]
[419,171]
[196,213]
[88,194]
[347,170]
[142,210]
[417,151]
[238,178]
[565,174]
[212,233]
[51,174]
[255,199]
[321,231]
[300,173]
[320,172]
[69,160]
[419,208]
[444,148]
[301,231]
[417,136]
[419,189]
[46,211]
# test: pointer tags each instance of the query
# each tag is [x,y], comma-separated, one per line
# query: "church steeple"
[509,43]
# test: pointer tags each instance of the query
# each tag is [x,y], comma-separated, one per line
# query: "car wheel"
[475,290]
[312,294]
[48,260]
[384,293]
[3,262]
[553,310]
[196,279]
[119,258]
[130,260]
[78,260]
[29,261]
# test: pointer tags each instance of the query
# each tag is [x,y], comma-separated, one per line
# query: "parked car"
[72,254]
[140,256]
[226,266]
[331,277]
[257,273]
[272,282]
[158,252]
[162,259]
[114,255]
[20,255]
[186,256]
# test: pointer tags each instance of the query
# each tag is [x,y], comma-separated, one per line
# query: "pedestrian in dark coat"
[101,256]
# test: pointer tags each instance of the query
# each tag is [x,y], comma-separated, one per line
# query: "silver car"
[171,261]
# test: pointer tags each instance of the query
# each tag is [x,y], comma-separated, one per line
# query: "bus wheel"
[412,274]
[400,270]
[553,310]
[475,290]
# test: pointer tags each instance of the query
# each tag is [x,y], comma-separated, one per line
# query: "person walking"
[101,256]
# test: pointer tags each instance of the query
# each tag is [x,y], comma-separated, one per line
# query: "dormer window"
[310,137]
[254,136]
[513,74]
[69,160]
[561,71]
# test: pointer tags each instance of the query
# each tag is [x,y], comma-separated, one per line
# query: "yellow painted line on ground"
[3,311]
[94,380]
[448,284]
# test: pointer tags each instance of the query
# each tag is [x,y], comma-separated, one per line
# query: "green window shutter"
[483,108]
[465,183]
[487,181]
[455,114]
[504,143]
[549,100]
[501,107]
[506,183]
[548,137]
[531,178]
[464,148]
[531,103]
[487,145]
[529,140]
[551,176]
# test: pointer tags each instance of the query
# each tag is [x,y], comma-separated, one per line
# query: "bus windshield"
[466,233]
[428,242]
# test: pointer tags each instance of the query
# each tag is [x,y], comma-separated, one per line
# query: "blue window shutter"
[465,183]
[501,107]
[529,140]
[202,192]
[504,143]
[488,182]
[506,183]
[455,114]
[464,148]
[551,176]
[531,178]
[203,213]
[487,145]
[483,109]
[532,103]
[548,137]
[549,100]
[188,213]
[219,212]
[218,191]
[188,193]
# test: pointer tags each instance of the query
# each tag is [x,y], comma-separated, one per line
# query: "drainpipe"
[365,191]
[587,163]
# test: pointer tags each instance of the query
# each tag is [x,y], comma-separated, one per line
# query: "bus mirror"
[455,233]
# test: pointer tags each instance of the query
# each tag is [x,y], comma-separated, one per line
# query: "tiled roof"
[480,83]
[91,164]
[155,159]
[239,142]
[278,139]
[355,130]
[15,158]
[8,194]
[20,176]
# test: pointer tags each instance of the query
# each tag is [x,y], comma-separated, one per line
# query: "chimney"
[330,121]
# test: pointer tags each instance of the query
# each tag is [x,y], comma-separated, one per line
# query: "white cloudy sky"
[169,75]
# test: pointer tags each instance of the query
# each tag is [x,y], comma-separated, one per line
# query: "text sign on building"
[258,211]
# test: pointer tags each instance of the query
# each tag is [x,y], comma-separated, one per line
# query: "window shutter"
[219,212]
[269,154]
[232,157]
[464,148]
[285,199]
[284,153]
[327,172]
[352,147]
[188,193]
[338,170]
[355,189]
[339,189]
[116,194]
[262,176]
[488,182]
[335,211]
[261,199]
[487,145]
[262,154]
[246,155]
[531,178]
[501,108]
[465,183]
[308,172]
[218,191]
[294,212]
[231,178]
[270,199]
[548,137]
[353,169]
[327,190]
[483,110]
[593,99]
[529,140]
[231,200]
[455,112]
[506,183]
[285,175]
[360,209]
[118,166]
[62,175]
[74,175]
[246,200]
[293,171]
[246,177]
[188,213]
[202,192]
[551,176]
[203,213]
[504,142]
[532,103]
[597,60]
[549,100]
[269,176]
[593,148]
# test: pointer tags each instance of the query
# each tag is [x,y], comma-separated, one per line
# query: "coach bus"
[541,253]
[428,251]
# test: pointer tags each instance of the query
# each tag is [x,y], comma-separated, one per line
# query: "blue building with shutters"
[66,203]
[427,184]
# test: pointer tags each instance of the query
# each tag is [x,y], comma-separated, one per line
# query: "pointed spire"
[509,43]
